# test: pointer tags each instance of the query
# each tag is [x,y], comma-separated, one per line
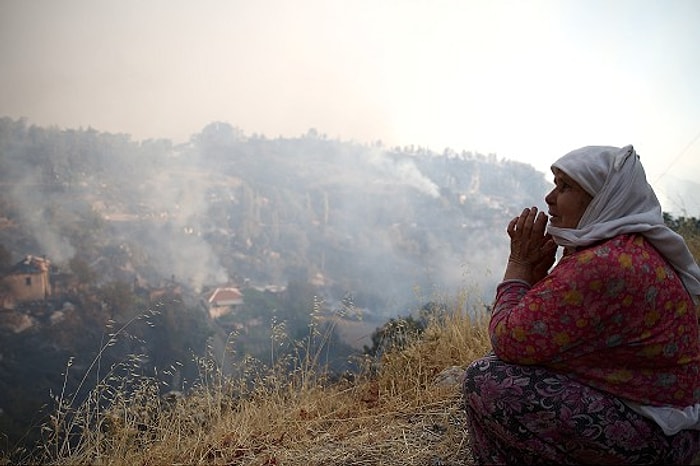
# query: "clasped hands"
[532,250]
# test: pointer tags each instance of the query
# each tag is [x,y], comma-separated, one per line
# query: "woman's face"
[566,202]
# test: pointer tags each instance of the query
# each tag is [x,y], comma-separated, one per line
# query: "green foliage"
[120,300]
[398,332]
[683,225]
[81,269]
[689,229]
[175,335]
[395,335]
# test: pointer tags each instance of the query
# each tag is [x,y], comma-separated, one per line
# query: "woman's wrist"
[518,270]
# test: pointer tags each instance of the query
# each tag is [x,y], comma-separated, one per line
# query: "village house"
[28,280]
[223,301]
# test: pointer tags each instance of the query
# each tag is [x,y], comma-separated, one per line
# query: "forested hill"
[364,219]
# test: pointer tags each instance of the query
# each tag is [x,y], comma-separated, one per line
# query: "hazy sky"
[527,80]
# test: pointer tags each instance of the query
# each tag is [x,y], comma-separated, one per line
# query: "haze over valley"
[143,234]
[228,207]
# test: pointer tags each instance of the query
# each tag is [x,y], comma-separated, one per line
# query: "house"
[223,301]
[28,280]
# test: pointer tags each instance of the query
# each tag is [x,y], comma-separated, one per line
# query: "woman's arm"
[536,325]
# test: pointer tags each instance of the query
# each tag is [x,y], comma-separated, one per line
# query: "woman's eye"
[561,185]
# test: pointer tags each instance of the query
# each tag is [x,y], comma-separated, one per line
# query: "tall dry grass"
[395,411]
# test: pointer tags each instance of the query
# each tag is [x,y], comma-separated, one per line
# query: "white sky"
[527,80]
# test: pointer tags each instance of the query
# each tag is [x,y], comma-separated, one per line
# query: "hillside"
[140,231]
[373,221]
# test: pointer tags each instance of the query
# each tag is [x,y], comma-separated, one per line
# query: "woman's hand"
[532,251]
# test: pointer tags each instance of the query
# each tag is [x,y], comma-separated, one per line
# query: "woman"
[598,360]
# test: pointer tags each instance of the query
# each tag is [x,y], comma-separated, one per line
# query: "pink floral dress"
[610,323]
[614,316]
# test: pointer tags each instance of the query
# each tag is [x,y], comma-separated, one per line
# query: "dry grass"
[394,412]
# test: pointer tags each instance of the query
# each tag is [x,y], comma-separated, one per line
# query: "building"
[28,280]
[223,301]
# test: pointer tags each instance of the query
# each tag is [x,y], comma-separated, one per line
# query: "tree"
[5,259]
[219,135]
[689,229]
[82,270]
[682,225]
[395,335]
[120,300]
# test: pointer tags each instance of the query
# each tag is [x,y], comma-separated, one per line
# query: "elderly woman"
[598,360]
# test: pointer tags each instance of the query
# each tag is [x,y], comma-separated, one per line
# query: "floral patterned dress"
[610,323]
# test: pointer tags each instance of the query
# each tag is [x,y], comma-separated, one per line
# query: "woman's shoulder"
[632,243]
[614,263]
[623,248]
[623,241]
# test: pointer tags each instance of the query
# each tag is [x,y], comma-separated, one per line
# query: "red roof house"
[223,301]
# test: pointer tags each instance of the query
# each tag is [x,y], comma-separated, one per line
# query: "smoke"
[176,195]
[422,245]
[34,209]
[402,172]
[60,184]
[37,218]
[368,220]
[55,246]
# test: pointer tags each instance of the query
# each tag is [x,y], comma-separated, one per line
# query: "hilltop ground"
[402,410]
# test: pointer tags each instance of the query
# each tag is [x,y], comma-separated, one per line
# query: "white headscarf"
[623,202]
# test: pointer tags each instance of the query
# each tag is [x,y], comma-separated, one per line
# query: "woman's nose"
[549,198]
